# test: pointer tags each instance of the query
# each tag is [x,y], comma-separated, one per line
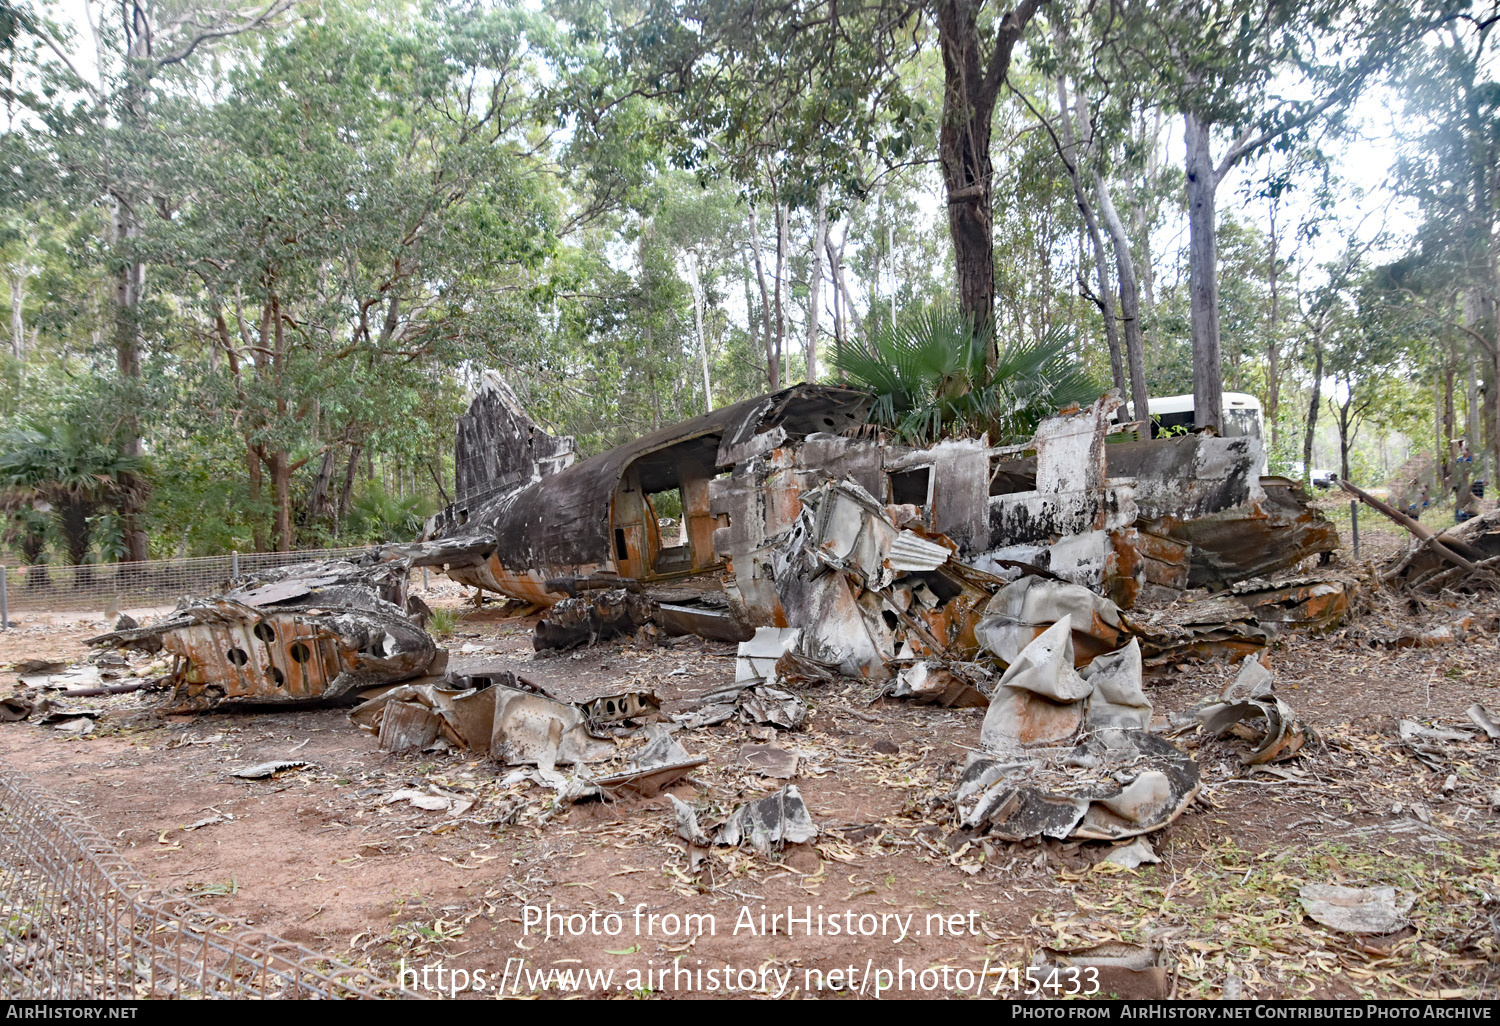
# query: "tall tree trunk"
[1492,416]
[1273,342]
[1344,439]
[697,289]
[1203,277]
[1151,177]
[752,323]
[1473,431]
[839,338]
[971,82]
[281,486]
[773,365]
[843,284]
[1130,303]
[254,469]
[890,248]
[317,501]
[130,280]
[17,318]
[1073,156]
[1312,410]
[1450,419]
[782,349]
[347,491]
[815,284]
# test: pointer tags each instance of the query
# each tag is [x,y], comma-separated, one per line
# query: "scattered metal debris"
[531,729]
[1409,729]
[1021,611]
[262,770]
[926,684]
[1114,784]
[776,820]
[311,635]
[687,823]
[1109,782]
[1483,719]
[582,621]
[1358,910]
[1266,722]
[1117,699]
[660,763]
[1133,855]
[414,715]
[755,704]
[1213,628]
[1040,697]
[769,761]
[431,800]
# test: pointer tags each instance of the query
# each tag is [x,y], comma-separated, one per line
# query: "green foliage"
[443,621]
[931,379]
[376,515]
[345,215]
[65,469]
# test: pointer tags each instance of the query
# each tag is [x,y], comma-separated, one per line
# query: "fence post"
[1354,525]
[234,564]
[4,604]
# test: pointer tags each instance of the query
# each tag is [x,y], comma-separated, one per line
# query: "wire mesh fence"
[78,923]
[161,582]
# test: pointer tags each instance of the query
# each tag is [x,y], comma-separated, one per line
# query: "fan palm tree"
[930,379]
[62,467]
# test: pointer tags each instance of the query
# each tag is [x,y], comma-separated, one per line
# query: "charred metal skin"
[1129,521]
[596,519]
[231,653]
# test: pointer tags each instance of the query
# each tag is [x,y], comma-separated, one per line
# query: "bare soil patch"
[318,856]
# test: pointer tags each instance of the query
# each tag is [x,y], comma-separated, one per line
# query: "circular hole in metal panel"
[277,677]
[300,652]
[237,656]
[264,632]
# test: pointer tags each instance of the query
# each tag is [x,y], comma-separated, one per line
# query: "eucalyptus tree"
[105,122]
[1264,73]
[1450,165]
[363,197]
[815,89]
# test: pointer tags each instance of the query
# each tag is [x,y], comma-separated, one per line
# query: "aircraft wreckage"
[796,515]
[1008,578]
[802,532]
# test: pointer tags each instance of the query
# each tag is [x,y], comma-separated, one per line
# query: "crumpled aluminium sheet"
[1021,611]
[1114,784]
[1068,754]
[778,819]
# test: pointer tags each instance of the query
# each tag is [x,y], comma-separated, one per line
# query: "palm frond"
[930,378]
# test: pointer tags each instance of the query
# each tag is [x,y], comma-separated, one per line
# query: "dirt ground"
[318,855]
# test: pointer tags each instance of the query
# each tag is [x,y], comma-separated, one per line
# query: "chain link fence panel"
[95,587]
[78,923]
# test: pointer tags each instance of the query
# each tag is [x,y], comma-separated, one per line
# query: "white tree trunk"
[1203,277]
[695,281]
[17,320]
[773,369]
[1073,156]
[1130,302]
[781,317]
[815,284]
